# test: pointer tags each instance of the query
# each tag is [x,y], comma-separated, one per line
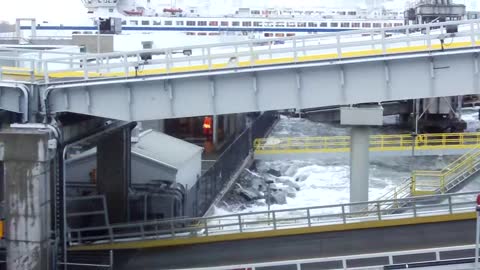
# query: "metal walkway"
[305,72]
[420,222]
[380,145]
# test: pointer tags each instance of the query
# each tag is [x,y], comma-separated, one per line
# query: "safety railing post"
[379,213]
[45,72]
[303,45]
[450,208]
[240,227]
[407,33]
[472,34]
[308,218]
[413,184]
[274,219]
[339,48]
[85,68]
[32,71]
[344,218]
[414,209]
[172,229]
[125,65]
[168,60]
[295,55]
[372,38]
[384,46]
[429,38]
[205,226]
[252,56]
[209,57]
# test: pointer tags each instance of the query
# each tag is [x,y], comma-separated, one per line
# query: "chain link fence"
[214,179]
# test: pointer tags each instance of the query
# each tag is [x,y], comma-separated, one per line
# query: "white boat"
[194,21]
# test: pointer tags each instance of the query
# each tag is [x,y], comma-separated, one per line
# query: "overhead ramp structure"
[305,72]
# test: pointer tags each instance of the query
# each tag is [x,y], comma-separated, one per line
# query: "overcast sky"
[73,10]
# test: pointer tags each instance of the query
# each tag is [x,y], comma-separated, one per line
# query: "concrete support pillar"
[215,130]
[114,173]
[28,166]
[359,164]
[360,118]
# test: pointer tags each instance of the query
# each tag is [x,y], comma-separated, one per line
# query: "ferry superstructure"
[258,22]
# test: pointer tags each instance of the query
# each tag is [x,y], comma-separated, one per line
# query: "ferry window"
[290,24]
[345,24]
[246,23]
[398,24]
[333,24]
[268,24]
[224,23]
[323,24]
[312,24]
[133,22]
[191,23]
[202,23]
[366,25]
[235,23]
[213,23]
[290,34]
[268,34]
[377,25]
[157,23]
[168,23]
[341,13]
[302,24]
[145,22]
[352,13]
[202,34]
[190,34]
[179,23]
[279,35]
[387,25]
[255,12]
[280,24]
[258,24]
[356,25]
[124,22]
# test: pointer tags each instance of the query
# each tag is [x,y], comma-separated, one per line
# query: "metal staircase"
[444,181]
[432,182]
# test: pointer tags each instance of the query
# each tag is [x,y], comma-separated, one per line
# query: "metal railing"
[255,53]
[399,142]
[277,219]
[370,261]
[431,182]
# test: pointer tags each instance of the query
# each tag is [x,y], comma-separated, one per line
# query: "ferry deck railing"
[411,207]
[46,65]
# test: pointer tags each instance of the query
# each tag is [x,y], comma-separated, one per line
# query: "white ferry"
[256,22]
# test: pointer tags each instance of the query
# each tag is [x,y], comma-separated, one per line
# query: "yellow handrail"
[433,181]
[377,143]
